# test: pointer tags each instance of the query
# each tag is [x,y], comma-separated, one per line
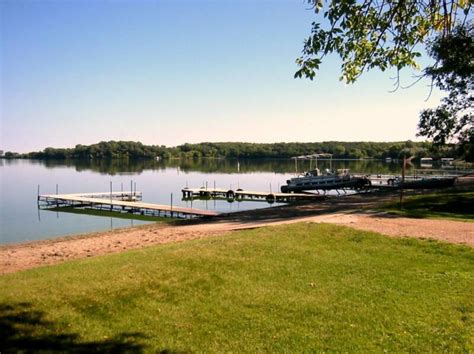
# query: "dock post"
[270,188]
[134,188]
[131,188]
[171,205]
[403,181]
[38,198]
[214,184]
[206,185]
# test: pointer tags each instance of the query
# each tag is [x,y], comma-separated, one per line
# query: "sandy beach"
[353,211]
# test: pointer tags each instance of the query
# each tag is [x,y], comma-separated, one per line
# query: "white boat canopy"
[312,156]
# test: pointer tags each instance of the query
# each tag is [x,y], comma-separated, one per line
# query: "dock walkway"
[119,202]
[240,194]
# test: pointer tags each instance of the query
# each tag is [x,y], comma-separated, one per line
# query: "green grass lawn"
[294,288]
[455,205]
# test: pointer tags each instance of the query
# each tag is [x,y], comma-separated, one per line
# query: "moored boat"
[423,183]
[327,180]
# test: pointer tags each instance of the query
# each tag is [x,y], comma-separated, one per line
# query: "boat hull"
[342,183]
[431,183]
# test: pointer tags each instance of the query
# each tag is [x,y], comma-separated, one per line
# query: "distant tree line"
[104,149]
[349,150]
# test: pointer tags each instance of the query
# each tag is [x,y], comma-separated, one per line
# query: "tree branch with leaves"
[385,34]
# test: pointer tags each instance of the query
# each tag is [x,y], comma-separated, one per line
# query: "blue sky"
[170,72]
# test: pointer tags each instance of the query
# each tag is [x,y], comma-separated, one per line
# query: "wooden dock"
[123,202]
[245,195]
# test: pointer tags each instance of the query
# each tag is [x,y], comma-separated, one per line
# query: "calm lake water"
[20,219]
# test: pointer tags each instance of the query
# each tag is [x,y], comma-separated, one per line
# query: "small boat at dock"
[422,182]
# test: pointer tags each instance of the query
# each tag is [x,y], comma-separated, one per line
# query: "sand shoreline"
[350,211]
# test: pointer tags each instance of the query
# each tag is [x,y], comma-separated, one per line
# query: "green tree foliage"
[110,149]
[104,151]
[349,150]
[10,155]
[377,33]
[453,72]
[384,34]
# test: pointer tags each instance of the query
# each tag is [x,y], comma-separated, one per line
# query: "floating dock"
[123,202]
[244,195]
[380,181]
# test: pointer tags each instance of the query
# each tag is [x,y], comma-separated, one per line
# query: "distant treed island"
[347,150]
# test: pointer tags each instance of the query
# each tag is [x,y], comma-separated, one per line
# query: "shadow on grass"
[456,206]
[24,329]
